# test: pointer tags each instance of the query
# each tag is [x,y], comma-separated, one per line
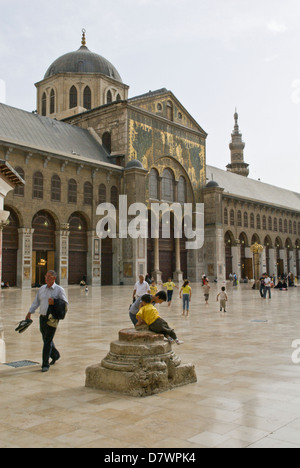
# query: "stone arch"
[229,243]
[43,245]
[78,247]
[10,246]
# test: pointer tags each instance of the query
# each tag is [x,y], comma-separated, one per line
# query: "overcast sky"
[214,55]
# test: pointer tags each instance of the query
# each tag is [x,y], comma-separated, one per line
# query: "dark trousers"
[267,290]
[49,350]
[169,296]
[161,326]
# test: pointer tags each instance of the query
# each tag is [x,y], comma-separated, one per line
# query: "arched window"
[245,220]
[258,226]
[252,221]
[280,225]
[44,104]
[19,189]
[231,218]
[87,98]
[72,191]
[114,197]
[52,101]
[239,218]
[275,225]
[169,110]
[270,223]
[55,188]
[182,190]
[102,194]
[295,228]
[118,97]
[73,97]
[106,141]
[290,227]
[153,184]
[108,97]
[264,222]
[168,185]
[225,216]
[88,193]
[38,186]
[285,223]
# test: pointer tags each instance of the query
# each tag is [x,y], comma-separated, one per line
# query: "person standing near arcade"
[45,297]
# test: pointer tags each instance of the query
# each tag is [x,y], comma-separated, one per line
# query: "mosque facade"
[87,144]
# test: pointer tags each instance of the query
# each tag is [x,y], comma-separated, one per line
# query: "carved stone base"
[140,363]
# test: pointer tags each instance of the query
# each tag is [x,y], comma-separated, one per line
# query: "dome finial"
[83,41]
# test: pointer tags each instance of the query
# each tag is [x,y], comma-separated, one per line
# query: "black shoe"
[45,369]
[52,363]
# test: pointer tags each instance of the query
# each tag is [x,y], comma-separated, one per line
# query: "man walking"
[45,297]
[267,286]
[141,288]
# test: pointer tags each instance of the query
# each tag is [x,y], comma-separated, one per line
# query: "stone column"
[156,273]
[236,260]
[94,259]
[177,275]
[24,261]
[211,258]
[135,250]
[1,229]
[272,262]
[62,255]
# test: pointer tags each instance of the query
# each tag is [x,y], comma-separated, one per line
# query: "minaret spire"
[237,165]
[83,40]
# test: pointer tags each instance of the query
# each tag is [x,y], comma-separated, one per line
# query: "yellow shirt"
[148,314]
[170,286]
[186,289]
[153,290]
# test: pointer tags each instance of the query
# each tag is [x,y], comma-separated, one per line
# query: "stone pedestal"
[140,363]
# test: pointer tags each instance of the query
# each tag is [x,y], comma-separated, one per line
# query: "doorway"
[43,247]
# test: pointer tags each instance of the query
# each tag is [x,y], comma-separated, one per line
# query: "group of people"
[143,310]
[150,287]
[146,297]
[266,283]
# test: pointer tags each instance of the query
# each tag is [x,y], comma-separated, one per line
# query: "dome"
[82,61]
[134,163]
[211,184]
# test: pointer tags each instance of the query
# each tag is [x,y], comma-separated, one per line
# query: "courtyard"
[247,394]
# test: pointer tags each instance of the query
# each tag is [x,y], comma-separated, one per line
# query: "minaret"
[237,165]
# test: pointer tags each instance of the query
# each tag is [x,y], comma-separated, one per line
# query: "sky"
[214,55]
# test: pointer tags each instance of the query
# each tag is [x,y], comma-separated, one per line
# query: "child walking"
[206,289]
[223,299]
[170,289]
[186,295]
[148,314]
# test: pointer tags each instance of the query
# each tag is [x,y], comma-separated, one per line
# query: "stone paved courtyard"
[247,394]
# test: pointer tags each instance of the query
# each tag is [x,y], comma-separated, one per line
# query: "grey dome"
[82,61]
[134,163]
[212,183]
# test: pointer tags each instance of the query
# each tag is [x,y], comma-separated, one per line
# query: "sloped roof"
[44,134]
[250,189]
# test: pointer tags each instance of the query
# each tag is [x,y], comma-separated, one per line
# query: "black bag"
[58,310]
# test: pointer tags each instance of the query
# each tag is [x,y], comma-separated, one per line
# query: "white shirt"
[268,282]
[44,294]
[142,288]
